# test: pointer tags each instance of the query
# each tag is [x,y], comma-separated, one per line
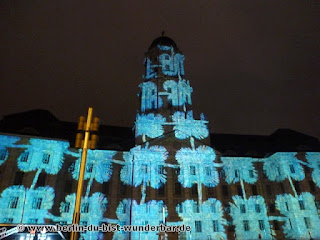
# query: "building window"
[215,226]
[192,170]
[307,222]
[161,191]
[42,179]
[301,204]
[261,224]
[242,208]
[3,154]
[45,158]
[160,169]
[225,190]
[246,226]
[85,207]
[89,168]
[257,207]
[227,208]
[254,189]
[207,171]
[290,224]
[144,168]
[8,220]
[196,208]
[67,207]
[292,170]
[18,178]
[239,190]
[71,167]
[198,226]
[236,173]
[36,204]
[13,203]
[287,206]
[276,225]
[177,188]
[222,174]
[272,208]
[24,157]
[213,208]
[177,171]
[251,174]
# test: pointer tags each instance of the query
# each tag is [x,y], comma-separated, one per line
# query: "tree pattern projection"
[178,93]
[98,167]
[91,211]
[206,219]
[250,218]
[186,126]
[149,98]
[21,205]
[46,155]
[149,213]
[314,162]
[172,65]
[144,166]
[283,165]
[301,217]
[6,142]
[149,125]
[239,168]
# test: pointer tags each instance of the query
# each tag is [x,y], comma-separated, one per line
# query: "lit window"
[85,208]
[292,170]
[13,202]
[215,226]
[213,208]
[45,158]
[207,171]
[67,207]
[246,226]
[144,168]
[242,208]
[24,157]
[36,204]
[236,173]
[89,168]
[3,154]
[251,173]
[307,222]
[261,224]
[192,170]
[160,169]
[196,208]
[8,220]
[198,226]
[180,208]
[301,204]
[257,206]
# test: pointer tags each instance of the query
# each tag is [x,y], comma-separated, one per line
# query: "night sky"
[254,65]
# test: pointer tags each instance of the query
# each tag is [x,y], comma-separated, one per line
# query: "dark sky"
[254,65]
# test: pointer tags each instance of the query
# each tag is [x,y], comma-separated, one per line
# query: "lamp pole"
[76,214]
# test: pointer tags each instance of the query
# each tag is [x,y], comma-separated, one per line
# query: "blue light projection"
[250,218]
[149,125]
[6,142]
[141,214]
[237,168]
[206,220]
[150,73]
[149,98]
[172,65]
[91,211]
[21,205]
[186,126]
[197,166]
[179,93]
[301,217]
[314,162]
[283,165]
[98,166]
[144,166]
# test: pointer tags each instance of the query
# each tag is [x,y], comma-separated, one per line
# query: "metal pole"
[76,214]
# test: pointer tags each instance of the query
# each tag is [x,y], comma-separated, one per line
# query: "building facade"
[172,176]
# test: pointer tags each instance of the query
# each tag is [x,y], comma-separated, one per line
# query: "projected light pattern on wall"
[236,168]
[250,218]
[149,98]
[206,219]
[314,162]
[23,205]
[301,217]
[149,125]
[130,212]
[5,143]
[178,93]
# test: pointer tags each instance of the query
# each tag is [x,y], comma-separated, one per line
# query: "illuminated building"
[173,175]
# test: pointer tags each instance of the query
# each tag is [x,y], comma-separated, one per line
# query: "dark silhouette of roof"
[165,41]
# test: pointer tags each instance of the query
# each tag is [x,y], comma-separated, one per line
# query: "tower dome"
[164,41]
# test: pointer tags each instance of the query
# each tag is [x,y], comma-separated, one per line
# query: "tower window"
[13,202]
[215,226]
[192,170]
[198,226]
[242,208]
[36,204]
[3,154]
[45,158]
[67,207]
[301,204]
[307,222]
[196,208]
[207,171]
[85,207]
[261,224]
[90,168]
[236,173]
[246,226]
[251,174]
[24,157]
[292,170]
